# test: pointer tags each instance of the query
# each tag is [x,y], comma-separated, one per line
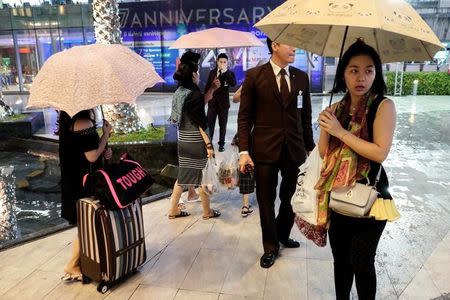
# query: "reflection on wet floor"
[37,192]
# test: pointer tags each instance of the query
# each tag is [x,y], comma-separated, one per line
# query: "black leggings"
[354,244]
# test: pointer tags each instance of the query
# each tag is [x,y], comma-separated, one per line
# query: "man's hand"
[244,160]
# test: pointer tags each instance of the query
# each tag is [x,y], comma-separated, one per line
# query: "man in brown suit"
[275,134]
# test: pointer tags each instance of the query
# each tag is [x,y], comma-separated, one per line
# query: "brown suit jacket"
[274,124]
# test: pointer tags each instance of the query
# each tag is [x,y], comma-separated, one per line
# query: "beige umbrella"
[87,76]
[216,38]
[392,27]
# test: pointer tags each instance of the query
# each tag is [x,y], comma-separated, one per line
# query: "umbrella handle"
[340,56]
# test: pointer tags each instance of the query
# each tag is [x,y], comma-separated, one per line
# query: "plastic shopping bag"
[304,201]
[210,183]
[229,169]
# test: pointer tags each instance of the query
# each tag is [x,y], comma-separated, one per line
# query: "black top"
[383,183]
[194,106]
[74,165]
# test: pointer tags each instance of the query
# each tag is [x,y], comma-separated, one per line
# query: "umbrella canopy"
[87,76]
[392,27]
[216,38]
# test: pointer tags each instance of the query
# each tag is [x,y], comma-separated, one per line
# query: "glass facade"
[30,35]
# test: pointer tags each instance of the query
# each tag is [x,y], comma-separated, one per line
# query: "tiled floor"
[191,258]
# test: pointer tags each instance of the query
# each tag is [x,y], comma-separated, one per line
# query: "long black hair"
[356,49]
[65,122]
[188,66]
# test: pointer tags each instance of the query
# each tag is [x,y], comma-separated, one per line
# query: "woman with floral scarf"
[356,136]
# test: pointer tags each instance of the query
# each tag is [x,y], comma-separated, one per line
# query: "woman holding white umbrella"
[356,136]
[81,151]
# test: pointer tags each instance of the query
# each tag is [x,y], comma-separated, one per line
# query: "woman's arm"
[209,147]
[93,155]
[209,93]
[383,132]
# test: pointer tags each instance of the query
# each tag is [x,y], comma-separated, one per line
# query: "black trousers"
[213,112]
[354,244]
[275,229]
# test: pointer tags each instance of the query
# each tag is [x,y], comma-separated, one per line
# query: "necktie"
[284,89]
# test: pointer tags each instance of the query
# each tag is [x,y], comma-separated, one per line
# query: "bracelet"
[209,144]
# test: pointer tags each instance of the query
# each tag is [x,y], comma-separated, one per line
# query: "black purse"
[118,184]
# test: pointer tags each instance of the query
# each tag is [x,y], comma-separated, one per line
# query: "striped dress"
[192,155]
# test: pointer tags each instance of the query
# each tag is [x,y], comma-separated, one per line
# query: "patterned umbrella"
[324,27]
[87,76]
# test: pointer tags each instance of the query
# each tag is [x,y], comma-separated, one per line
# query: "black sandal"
[180,215]
[245,211]
[215,214]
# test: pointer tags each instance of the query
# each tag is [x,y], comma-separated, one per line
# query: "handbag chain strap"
[377,178]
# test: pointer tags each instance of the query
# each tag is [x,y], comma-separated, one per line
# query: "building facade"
[31,34]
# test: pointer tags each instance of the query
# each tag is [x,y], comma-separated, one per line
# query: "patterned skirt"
[192,157]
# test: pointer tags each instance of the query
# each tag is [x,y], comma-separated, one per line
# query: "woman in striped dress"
[194,145]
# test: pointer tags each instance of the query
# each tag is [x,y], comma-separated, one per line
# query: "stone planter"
[23,128]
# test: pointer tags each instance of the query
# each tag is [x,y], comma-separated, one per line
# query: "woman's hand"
[215,84]
[107,154]
[210,152]
[107,128]
[329,123]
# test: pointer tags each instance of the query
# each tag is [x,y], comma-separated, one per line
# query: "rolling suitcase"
[112,242]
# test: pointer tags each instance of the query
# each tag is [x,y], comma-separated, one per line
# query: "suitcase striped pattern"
[112,242]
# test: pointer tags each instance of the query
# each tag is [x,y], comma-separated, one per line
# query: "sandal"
[180,215]
[215,214]
[245,211]
[70,277]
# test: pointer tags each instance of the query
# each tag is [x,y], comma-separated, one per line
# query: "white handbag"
[354,201]
[304,201]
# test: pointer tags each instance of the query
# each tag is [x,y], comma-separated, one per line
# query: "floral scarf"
[341,165]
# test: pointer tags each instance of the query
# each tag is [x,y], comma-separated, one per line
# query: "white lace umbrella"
[216,38]
[87,76]
[324,27]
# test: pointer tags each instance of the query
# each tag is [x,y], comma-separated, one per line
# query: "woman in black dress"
[356,136]
[194,145]
[80,150]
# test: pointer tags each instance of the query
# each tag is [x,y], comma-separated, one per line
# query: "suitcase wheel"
[102,287]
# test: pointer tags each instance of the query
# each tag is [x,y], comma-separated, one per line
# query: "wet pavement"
[413,260]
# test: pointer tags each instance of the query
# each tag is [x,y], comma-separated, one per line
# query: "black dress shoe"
[221,149]
[290,243]
[268,259]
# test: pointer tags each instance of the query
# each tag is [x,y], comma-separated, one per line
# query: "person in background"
[355,138]
[219,105]
[275,116]
[81,151]
[194,145]
[246,179]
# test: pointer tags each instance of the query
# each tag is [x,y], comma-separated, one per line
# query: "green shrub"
[15,118]
[430,83]
[146,135]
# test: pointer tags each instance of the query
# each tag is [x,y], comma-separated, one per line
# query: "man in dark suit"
[275,134]
[220,103]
